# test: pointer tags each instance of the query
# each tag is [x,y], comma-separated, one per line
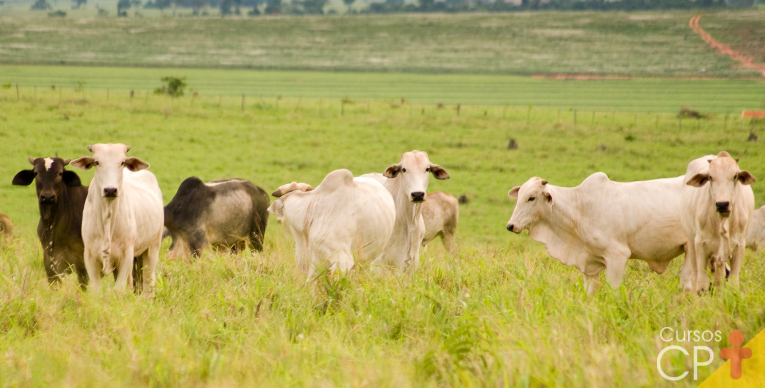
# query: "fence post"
[18,96]
[725,127]
[107,94]
[342,107]
[458,109]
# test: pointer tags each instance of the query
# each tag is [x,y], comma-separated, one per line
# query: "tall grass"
[503,313]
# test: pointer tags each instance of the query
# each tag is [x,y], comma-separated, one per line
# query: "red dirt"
[724,48]
[753,114]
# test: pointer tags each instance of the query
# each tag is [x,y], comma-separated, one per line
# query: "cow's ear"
[135,164]
[548,195]
[71,179]
[392,171]
[745,177]
[514,191]
[84,163]
[277,208]
[24,178]
[698,180]
[438,172]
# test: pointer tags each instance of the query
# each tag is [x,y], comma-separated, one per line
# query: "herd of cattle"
[116,225]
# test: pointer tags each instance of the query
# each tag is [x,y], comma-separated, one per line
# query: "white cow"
[407,182]
[755,238]
[717,205]
[123,217]
[601,224]
[440,213]
[342,216]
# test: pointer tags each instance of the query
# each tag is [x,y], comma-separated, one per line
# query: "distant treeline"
[317,7]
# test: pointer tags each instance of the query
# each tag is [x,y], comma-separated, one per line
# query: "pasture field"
[602,95]
[503,313]
[618,43]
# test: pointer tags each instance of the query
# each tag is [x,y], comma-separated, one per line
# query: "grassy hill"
[639,43]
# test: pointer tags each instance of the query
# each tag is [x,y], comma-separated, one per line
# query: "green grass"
[634,43]
[603,95]
[502,313]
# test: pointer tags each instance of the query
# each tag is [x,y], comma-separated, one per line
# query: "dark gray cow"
[61,198]
[224,213]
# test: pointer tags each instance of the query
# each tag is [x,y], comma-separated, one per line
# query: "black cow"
[226,213]
[61,197]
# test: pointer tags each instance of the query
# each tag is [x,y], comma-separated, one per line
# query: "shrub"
[173,86]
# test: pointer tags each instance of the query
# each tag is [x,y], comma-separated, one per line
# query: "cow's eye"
[123,163]
[403,170]
[427,169]
[96,163]
[532,198]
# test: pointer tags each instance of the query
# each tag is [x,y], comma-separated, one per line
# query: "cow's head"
[534,199]
[109,161]
[283,192]
[50,178]
[724,178]
[413,173]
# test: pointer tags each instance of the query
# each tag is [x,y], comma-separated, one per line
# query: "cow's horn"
[544,182]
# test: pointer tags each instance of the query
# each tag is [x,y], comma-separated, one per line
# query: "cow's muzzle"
[723,208]
[110,192]
[512,228]
[418,196]
[47,198]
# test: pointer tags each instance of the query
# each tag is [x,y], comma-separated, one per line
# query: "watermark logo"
[735,354]
[667,334]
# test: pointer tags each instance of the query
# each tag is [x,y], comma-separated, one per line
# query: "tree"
[173,86]
[349,3]
[225,7]
[40,5]
[273,7]
[79,3]
[122,6]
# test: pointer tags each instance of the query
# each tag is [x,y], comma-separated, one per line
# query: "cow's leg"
[93,270]
[591,283]
[735,264]
[82,276]
[124,268]
[688,274]
[51,270]
[702,261]
[148,273]
[616,265]
[450,243]
[343,263]
[197,242]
